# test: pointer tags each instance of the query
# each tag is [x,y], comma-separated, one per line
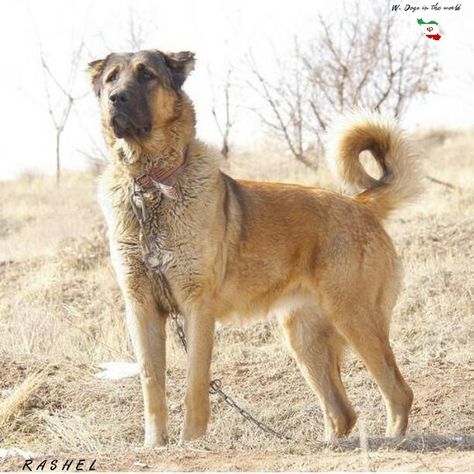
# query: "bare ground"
[61,315]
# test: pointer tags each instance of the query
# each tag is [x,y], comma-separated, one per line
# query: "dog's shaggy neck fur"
[165,146]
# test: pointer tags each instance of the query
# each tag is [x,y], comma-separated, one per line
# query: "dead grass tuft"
[12,407]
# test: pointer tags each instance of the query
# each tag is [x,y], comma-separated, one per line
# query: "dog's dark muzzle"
[128,115]
[123,126]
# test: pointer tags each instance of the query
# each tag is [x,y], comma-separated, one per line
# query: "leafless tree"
[360,61]
[285,106]
[60,97]
[224,116]
[137,31]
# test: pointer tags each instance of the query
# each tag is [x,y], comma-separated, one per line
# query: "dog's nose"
[118,97]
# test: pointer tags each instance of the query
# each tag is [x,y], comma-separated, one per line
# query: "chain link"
[138,207]
[179,330]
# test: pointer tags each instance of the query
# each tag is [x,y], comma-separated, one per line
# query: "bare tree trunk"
[228,124]
[225,149]
[58,157]
[225,121]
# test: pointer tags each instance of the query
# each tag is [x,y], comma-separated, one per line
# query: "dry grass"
[61,315]
[13,405]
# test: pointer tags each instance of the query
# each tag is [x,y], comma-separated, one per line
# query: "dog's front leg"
[148,333]
[200,337]
[147,328]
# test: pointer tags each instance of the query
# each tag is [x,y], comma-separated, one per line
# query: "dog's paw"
[193,430]
[191,435]
[198,412]
[156,438]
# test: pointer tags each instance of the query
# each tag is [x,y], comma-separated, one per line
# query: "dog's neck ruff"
[163,178]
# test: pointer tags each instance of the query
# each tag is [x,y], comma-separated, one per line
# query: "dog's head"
[138,92]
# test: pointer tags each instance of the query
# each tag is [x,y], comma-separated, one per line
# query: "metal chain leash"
[138,207]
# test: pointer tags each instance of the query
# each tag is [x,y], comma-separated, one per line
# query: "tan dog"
[237,249]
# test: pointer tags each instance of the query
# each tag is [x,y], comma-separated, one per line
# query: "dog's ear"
[180,64]
[95,70]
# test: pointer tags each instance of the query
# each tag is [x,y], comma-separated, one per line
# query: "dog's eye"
[147,75]
[112,77]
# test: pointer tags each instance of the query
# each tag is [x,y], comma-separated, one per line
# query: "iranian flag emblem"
[430,29]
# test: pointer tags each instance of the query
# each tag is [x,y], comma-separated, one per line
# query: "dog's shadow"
[415,442]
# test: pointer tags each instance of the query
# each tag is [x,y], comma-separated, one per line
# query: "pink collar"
[157,176]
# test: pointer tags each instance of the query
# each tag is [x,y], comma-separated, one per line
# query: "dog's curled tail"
[401,179]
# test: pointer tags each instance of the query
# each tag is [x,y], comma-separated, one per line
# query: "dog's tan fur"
[231,250]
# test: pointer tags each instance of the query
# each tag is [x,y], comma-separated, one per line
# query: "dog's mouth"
[124,127]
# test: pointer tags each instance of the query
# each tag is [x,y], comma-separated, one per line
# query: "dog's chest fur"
[177,231]
[170,235]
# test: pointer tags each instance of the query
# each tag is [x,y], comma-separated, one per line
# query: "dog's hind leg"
[318,348]
[367,332]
